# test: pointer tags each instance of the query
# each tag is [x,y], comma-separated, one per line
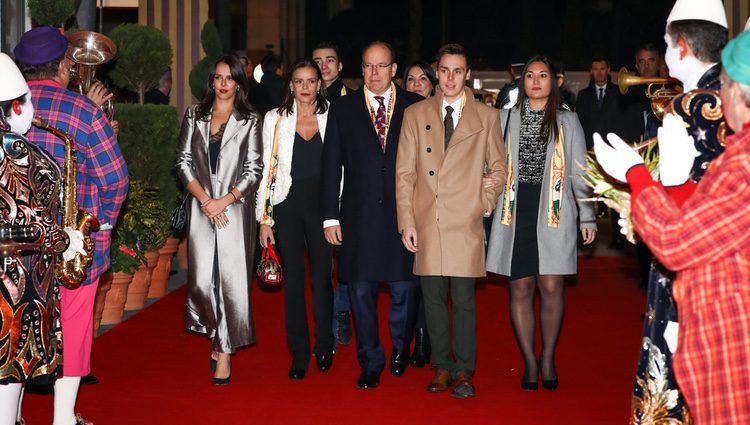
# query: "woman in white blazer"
[288,210]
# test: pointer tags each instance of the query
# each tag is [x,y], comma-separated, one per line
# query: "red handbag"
[269,267]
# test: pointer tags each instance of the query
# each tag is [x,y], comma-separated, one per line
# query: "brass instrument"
[87,50]
[659,97]
[73,272]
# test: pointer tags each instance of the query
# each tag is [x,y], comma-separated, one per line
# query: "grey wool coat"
[240,166]
[557,246]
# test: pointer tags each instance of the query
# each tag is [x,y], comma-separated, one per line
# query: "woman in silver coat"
[220,162]
[535,226]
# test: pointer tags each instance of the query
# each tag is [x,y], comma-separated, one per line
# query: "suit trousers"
[435,294]
[298,228]
[364,299]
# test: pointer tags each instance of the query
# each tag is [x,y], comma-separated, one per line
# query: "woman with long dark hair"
[535,232]
[420,78]
[289,212]
[219,160]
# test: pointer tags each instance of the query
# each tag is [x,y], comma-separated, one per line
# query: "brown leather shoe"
[441,382]
[463,387]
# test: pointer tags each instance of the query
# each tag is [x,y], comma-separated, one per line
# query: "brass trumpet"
[659,96]
[87,50]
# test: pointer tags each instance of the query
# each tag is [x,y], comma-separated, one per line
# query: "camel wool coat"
[440,192]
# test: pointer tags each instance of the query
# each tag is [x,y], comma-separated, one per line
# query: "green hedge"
[148,139]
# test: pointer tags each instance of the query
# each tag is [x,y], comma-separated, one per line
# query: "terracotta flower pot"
[141,281]
[114,302]
[182,253]
[105,284]
[160,276]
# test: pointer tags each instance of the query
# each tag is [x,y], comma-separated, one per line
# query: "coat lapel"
[468,125]
[204,127]
[233,125]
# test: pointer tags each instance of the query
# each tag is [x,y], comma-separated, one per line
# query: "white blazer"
[286,132]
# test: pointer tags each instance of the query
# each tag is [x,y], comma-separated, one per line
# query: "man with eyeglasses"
[361,142]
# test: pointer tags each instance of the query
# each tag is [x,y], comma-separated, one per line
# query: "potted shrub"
[148,138]
[51,12]
[125,257]
[143,54]
[145,215]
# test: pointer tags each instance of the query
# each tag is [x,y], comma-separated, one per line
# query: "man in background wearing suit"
[598,108]
[326,55]
[361,141]
[446,143]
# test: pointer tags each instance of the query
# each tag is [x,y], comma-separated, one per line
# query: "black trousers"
[299,228]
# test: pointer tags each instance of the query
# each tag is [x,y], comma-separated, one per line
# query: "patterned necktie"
[600,99]
[380,124]
[448,123]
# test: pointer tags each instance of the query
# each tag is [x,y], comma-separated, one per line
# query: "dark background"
[495,33]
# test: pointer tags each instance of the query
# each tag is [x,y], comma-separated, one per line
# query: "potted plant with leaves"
[145,215]
[125,257]
[51,12]
[143,54]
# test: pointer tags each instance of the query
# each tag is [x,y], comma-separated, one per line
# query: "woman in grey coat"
[219,160]
[535,227]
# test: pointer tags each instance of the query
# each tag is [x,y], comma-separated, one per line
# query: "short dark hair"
[39,72]
[647,47]
[329,45]
[600,59]
[383,44]
[706,39]
[452,49]
[270,63]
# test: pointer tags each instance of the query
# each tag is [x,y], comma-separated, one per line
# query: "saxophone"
[72,273]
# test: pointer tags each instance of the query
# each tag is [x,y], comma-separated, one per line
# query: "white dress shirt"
[456,114]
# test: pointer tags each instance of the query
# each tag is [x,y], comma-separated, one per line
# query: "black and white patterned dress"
[532,155]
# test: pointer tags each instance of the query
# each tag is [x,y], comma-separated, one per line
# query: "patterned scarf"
[556,186]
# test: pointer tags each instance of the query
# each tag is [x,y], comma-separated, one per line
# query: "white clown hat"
[14,85]
[704,10]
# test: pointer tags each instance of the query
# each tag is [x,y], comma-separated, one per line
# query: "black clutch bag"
[179,215]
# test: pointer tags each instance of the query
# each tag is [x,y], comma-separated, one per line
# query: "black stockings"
[523,317]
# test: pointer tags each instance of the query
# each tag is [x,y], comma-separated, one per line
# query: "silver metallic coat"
[240,166]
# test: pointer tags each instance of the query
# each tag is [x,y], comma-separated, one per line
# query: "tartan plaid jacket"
[707,242]
[102,178]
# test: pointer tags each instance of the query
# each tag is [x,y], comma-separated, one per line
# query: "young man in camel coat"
[449,143]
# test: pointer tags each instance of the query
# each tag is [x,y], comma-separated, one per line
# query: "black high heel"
[550,384]
[223,381]
[529,385]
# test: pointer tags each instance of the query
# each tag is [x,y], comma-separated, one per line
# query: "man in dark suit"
[361,141]
[326,55]
[639,120]
[598,105]
[599,110]
[269,93]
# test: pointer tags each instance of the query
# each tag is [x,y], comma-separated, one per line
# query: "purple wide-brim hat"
[41,45]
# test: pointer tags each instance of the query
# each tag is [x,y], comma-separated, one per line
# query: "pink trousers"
[77,320]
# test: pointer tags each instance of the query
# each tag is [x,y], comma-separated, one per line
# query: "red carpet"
[153,372]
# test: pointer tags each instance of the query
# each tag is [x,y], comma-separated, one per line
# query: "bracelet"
[233,195]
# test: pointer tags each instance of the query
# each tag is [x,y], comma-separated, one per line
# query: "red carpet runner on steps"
[153,372]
